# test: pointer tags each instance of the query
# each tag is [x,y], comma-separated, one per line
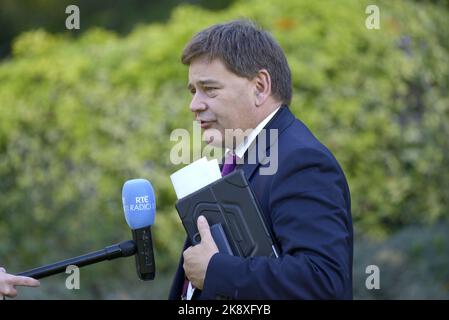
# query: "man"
[8,283]
[239,79]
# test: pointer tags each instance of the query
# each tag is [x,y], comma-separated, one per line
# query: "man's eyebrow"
[203,83]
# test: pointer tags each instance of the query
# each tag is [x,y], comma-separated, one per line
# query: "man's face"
[220,99]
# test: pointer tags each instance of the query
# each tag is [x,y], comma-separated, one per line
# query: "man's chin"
[213,137]
[214,142]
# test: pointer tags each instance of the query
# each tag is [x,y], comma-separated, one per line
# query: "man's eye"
[210,91]
[192,91]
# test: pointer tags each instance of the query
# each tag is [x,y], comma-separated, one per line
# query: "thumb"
[204,229]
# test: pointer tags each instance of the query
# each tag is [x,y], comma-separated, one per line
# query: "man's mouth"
[205,124]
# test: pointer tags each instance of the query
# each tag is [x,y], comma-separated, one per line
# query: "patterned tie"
[229,165]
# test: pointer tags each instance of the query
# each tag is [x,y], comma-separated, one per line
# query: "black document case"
[230,207]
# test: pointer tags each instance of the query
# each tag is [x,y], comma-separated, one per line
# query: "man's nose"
[197,104]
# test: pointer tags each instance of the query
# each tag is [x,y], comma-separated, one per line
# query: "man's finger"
[186,252]
[24,281]
[204,229]
[12,293]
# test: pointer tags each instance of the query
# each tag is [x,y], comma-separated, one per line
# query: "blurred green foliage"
[79,117]
[117,15]
[412,264]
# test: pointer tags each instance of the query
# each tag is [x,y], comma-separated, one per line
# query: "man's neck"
[249,139]
[266,111]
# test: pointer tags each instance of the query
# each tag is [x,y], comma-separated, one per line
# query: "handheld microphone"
[139,206]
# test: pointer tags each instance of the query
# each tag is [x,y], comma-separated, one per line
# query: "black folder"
[230,207]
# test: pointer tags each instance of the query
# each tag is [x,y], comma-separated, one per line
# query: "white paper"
[195,176]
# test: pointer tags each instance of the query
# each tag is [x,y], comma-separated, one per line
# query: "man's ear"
[262,83]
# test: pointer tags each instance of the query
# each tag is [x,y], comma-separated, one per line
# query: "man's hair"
[244,49]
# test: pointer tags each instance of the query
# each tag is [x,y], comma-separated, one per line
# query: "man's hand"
[196,258]
[8,283]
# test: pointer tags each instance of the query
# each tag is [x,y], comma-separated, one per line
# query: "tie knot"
[229,164]
[230,158]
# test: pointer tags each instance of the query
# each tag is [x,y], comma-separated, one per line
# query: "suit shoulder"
[298,140]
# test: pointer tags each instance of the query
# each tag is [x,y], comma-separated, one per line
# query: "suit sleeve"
[309,209]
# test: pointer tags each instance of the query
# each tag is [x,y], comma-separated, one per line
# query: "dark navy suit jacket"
[306,204]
